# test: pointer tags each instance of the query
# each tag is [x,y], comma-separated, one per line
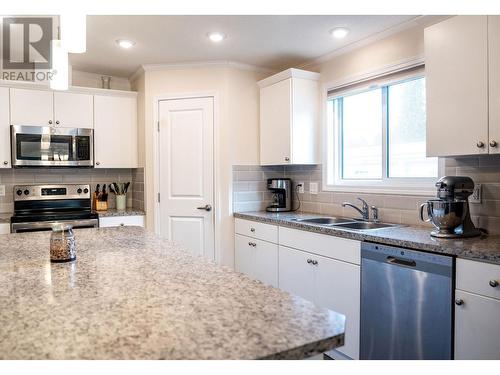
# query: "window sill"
[385,190]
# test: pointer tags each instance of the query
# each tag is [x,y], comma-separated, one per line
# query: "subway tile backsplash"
[11,177]
[250,192]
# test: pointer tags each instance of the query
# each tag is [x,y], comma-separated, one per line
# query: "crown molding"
[202,64]
[139,71]
[418,21]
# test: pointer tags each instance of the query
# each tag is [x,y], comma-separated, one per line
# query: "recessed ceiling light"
[125,43]
[216,37]
[339,32]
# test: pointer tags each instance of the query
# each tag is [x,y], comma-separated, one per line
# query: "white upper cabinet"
[31,107]
[115,131]
[289,126]
[460,80]
[4,128]
[494,83]
[73,110]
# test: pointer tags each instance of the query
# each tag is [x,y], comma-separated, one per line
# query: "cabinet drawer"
[254,229]
[121,221]
[477,332]
[257,259]
[321,244]
[476,277]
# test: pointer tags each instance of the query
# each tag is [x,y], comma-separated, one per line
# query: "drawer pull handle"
[493,283]
[252,229]
[459,302]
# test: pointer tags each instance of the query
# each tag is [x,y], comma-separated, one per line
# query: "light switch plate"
[313,187]
[476,195]
[2,190]
[301,187]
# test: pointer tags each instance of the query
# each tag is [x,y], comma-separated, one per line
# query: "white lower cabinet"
[327,282]
[121,221]
[257,258]
[477,331]
[4,228]
[477,310]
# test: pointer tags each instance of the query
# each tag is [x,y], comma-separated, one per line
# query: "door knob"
[459,302]
[493,144]
[480,144]
[206,207]
[493,283]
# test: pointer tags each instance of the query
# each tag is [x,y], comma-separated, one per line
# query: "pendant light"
[60,77]
[74,32]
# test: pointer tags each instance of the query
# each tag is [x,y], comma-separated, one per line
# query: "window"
[376,136]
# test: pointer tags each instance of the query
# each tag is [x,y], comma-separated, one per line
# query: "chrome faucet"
[364,210]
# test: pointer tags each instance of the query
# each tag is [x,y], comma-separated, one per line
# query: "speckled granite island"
[130,295]
[484,248]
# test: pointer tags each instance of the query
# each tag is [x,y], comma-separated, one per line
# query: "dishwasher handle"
[401,262]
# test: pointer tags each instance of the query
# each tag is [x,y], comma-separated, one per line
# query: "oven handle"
[48,224]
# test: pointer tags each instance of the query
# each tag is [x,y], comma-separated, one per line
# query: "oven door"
[41,226]
[34,146]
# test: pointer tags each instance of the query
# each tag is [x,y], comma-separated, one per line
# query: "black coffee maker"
[282,194]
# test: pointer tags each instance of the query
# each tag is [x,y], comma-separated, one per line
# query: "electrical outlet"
[301,187]
[313,187]
[476,194]
[2,190]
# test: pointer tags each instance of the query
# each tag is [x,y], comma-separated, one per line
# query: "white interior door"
[186,147]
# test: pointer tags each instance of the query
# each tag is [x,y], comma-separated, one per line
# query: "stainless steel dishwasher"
[406,304]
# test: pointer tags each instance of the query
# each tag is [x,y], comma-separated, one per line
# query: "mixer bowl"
[445,215]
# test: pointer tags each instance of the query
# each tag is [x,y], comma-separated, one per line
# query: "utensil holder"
[121,202]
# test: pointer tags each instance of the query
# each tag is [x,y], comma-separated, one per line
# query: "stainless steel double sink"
[346,223]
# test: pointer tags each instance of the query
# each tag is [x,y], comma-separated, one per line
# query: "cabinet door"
[337,287]
[494,81]
[456,69]
[31,107]
[477,332]
[275,123]
[115,131]
[4,128]
[256,258]
[72,110]
[296,272]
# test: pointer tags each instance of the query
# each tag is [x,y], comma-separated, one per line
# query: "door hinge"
[158,197]
[158,125]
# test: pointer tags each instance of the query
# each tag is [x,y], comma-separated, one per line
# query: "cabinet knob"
[480,144]
[97,163]
[309,261]
[5,162]
[57,122]
[252,229]
[122,224]
[493,283]
[50,122]
[314,262]
[459,302]
[493,144]
[287,158]
[253,244]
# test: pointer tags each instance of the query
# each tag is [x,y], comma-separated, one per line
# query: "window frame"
[332,159]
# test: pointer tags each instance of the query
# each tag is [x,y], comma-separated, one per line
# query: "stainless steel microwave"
[44,146]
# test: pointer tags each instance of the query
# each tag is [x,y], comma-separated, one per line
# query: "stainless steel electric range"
[38,207]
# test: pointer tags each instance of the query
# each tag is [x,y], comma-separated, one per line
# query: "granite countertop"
[130,295]
[484,248]
[5,218]
[126,212]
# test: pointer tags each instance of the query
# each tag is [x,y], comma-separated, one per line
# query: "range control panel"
[48,192]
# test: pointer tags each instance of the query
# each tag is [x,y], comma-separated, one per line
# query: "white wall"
[236,133]
[85,79]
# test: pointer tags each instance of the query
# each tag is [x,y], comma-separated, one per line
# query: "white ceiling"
[275,42]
